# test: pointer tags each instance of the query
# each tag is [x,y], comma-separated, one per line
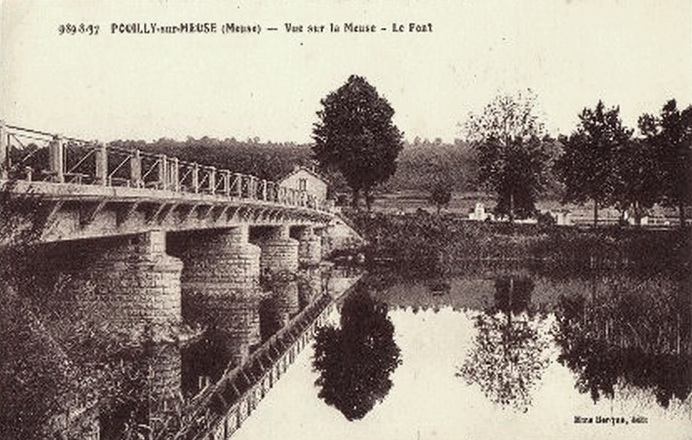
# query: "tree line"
[506,151]
[602,161]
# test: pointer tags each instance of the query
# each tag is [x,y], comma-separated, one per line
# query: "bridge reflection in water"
[203,388]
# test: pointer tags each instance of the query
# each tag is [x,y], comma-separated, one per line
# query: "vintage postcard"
[410,220]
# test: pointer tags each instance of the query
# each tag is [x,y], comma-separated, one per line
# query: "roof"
[308,170]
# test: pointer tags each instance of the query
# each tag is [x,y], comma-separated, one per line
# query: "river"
[488,352]
[502,353]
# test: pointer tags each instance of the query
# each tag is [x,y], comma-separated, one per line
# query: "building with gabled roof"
[308,180]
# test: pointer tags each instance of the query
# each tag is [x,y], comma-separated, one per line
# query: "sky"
[636,54]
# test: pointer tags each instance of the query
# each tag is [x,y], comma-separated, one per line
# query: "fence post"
[270,191]
[264,190]
[175,177]
[226,182]
[195,177]
[101,168]
[56,159]
[136,169]
[163,178]
[252,187]
[239,185]
[169,174]
[4,151]
[212,180]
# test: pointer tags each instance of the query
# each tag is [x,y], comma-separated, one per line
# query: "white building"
[479,213]
[307,180]
[340,233]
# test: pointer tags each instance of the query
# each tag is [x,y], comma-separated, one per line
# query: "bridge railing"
[34,155]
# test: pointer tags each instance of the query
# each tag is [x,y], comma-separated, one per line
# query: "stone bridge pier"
[310,285]
[220,284]
[137,282]
[278,308]
[162,364]
[310,245]
[279,250]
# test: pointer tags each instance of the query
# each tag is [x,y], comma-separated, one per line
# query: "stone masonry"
[310,247]
[138,282]
[310,285]
[286,296]
[224,262]
[220,284]
[279,251]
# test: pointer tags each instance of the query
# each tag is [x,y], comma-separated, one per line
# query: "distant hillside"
[265,160]
[421,164]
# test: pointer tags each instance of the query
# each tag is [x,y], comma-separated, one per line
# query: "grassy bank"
[443,241]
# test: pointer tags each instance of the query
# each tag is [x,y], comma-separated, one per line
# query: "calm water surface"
[493,354]
[488,353]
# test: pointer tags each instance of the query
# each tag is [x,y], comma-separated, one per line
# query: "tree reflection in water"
[634,335]
[356,361]
[508,355]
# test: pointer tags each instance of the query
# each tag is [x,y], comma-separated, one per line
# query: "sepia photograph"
[355,220]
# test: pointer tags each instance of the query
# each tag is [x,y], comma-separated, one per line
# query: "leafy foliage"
[355,361]
[669,136]
[62,353]
[421,162]
[266,160]
[638,184]
[356,136]
[589,165]
[513,156]
[53,364]
[441,194]
[599,343]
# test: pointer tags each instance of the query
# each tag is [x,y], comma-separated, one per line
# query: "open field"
[409,201]
[462,203]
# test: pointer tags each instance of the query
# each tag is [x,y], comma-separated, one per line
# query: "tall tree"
[670,134]
[588,166]
[356,136]
[513,156]
[638,185]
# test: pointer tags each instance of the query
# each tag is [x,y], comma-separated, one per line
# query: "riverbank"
[431,242]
